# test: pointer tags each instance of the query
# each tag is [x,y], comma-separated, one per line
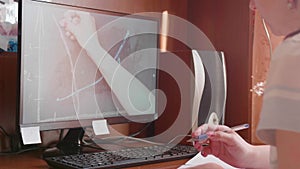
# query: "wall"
[8,95]
[261,58]
[229,25]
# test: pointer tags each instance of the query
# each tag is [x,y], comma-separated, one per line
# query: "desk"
[33,160]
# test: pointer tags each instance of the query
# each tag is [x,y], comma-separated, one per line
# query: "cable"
[121,138]
[259,87]
[21,151]
[92,140]
[268,36]
[115,139]
[61,134]
[4,132]
[9,137]
[178,137]
[142,130]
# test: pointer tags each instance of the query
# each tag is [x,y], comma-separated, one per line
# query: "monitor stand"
[70,144]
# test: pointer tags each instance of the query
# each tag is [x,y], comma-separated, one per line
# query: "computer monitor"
[210,87]
[63,87]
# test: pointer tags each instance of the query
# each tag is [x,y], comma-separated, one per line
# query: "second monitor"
[210,86]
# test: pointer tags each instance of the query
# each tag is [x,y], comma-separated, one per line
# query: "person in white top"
[279,124]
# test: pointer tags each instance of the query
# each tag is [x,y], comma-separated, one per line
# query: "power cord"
[142,130]
[109,140]
[268,36]
[6,135]
[11,152]
[4,132]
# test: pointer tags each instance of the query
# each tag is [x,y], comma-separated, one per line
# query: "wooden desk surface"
[33,160]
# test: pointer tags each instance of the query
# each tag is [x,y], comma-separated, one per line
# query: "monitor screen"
[63,84]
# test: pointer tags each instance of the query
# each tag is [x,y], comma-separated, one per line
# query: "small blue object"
[12,45]
[201,137]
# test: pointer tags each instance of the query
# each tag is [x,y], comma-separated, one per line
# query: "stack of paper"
[199,159]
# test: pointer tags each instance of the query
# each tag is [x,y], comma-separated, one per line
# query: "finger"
[206,151]
[222,128]
[70,27]
[76,20]
[225,137]
[72,37]
[209,127]
[68,34]
[203,147]
[62,23]
[70,20]
[198,146]
[200,130]
[83,15]
[69,15]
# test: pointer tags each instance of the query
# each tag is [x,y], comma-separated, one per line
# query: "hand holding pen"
[204,137]
[222,142]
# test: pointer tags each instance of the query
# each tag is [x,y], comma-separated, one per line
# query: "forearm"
[259,158]
[288,149]
[134,96]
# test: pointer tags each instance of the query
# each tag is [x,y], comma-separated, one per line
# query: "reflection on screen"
[59,79]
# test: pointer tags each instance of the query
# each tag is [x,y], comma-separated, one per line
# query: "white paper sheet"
[199,159]
[100,127]
[31,135]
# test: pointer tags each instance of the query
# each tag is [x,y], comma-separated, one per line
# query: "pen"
[203,137]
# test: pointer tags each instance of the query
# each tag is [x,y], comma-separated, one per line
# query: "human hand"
[223,143]
[80,26]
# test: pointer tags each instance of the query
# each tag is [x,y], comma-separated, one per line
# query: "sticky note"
[100,127]
[31,135]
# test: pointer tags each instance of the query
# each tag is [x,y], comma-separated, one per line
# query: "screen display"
[62,81]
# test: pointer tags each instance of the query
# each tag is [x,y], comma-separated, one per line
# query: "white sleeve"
[281,103]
